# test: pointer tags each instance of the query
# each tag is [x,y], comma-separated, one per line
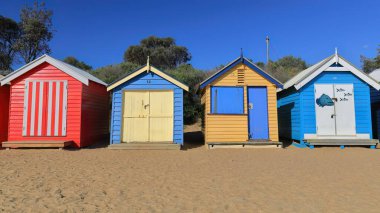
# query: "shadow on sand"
[193,140]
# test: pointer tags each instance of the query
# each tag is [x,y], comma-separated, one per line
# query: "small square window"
[227,100]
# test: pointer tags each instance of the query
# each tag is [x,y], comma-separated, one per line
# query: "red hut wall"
[4,112]
[95,110]
[46,71]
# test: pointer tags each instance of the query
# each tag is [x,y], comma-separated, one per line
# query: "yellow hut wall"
[234,128]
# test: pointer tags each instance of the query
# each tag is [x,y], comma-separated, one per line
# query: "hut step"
[146,146]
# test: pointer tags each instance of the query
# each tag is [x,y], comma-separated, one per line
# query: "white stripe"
[49,108]
[64,108]
[33,111]
[56,108]
[40,108]
[26,104]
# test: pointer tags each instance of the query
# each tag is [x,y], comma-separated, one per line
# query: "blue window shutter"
[227,100]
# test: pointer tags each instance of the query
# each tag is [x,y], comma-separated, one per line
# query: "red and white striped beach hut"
[54,104]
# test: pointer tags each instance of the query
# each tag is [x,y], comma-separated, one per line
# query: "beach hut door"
[335,109]
[45,108]
[148,116]
[258,113]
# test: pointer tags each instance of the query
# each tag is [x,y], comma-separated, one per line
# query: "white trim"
[33,110]
[336,69]
[26,106]
[315,136]
[76,73]
[49,108]
[347,66]
[64,108]
[41,97]
[148,68]
[57,102]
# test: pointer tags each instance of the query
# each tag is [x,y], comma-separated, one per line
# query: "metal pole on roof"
[148,64]
[267,41]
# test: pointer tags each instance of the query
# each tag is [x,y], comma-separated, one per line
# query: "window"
[227,100]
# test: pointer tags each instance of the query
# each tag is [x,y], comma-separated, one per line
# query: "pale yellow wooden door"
[136,116]
[161,116]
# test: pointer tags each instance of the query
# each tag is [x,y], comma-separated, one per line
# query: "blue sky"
[98,32]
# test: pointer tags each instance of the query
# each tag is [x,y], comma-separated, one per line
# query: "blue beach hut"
[327,104]
[147,110]
[375,105]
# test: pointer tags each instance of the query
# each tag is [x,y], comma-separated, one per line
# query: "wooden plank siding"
[363,120]
[4,112]
[95,113]
[146,81]
[234,128]
[45,71]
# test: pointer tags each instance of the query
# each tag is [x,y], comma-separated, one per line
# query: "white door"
[345,109]
[335,109]
[324,109]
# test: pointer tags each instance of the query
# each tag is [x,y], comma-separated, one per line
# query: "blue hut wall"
[146,81]
[375,107]
[288,105]
[306,113]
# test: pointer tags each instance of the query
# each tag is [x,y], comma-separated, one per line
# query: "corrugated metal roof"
[303,74]
[375,74]
[298,80]
[75,72]
[81,72]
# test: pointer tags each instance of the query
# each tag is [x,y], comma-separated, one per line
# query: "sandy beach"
[191,180]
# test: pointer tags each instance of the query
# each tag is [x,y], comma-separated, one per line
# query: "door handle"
[332,115]
[145,106]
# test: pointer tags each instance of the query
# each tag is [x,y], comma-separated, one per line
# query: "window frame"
[211,100]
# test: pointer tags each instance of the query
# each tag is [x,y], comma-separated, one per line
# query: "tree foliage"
[9,33]
[163,52]
[285,68]
[111,73]
[370,64]
[76,63]
[36,32]
[190,76]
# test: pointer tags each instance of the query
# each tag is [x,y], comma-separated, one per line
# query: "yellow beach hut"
[240,106]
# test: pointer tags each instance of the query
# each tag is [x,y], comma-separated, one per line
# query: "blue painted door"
[258,113]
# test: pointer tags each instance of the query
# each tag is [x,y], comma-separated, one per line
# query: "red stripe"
[53,110]
[60,108]
[30,87]
[44,110]
[36,113]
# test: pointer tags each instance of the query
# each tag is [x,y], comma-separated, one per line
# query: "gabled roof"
[74,72]
[332,63]
[233,64]
[147,68]
[375,74]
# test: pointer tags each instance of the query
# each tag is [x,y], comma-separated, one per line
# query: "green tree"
[190,76]
[260,64]
[370,64]
[36,32]
[286,67]
[76,63]
[9,33]
[111,73]
[163,52]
